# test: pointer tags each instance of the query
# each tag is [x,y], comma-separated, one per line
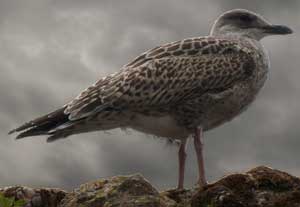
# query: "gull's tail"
[43,125]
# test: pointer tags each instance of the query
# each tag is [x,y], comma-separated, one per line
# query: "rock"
[259,187]
[129,191]
[39,197]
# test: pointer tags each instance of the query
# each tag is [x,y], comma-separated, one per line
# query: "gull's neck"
[243,37]
[233,32]
[234,35]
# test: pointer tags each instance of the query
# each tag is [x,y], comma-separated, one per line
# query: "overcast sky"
[51,50]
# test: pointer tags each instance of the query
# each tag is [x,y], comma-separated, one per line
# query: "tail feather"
[60,134]
[42,125]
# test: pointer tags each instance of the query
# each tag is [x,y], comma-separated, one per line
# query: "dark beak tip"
[290,31]
[287,30]
[281,30]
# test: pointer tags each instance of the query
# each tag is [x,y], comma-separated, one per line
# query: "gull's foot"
[179,187]
[201,184]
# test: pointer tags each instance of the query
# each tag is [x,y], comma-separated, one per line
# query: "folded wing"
[157,79]
[162,77]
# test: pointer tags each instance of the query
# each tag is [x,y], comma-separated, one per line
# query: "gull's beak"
[277,29]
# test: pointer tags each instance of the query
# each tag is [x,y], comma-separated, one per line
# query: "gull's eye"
[245,18]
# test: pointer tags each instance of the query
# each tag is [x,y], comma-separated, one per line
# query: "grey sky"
[51,50]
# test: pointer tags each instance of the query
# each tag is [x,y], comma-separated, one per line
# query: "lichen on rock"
[124,191]
[35,197]
[259,187]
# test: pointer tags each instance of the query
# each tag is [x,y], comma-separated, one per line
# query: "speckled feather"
[163,81]
[161,78]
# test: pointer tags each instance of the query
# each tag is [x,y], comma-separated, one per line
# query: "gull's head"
[241,22]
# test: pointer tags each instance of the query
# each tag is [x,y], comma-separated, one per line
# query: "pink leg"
[182,158]
[198,143]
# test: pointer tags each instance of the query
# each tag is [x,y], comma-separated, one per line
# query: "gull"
[177,90]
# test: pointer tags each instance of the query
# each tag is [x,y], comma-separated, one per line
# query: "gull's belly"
[210,111]
[162,126]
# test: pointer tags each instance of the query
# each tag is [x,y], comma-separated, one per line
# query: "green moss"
[275,186]
[146,199]
[100,194]
[10,201]
[208,204]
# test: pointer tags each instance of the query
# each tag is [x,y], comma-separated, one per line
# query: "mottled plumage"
[173,89]
[165,81]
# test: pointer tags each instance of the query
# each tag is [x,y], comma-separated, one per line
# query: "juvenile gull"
[175,90]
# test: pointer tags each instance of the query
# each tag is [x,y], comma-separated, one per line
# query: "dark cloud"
[51,50]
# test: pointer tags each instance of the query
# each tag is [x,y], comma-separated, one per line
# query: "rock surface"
[259,187]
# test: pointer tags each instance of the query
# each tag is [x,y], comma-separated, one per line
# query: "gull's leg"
[181,159]
[198,143]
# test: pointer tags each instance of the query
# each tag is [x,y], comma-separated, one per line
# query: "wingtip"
[50,140]
[11,131]
[20,136]
[21,128]
[53,138]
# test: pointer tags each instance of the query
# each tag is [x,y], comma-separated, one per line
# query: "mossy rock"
[259,187]
[129,191]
